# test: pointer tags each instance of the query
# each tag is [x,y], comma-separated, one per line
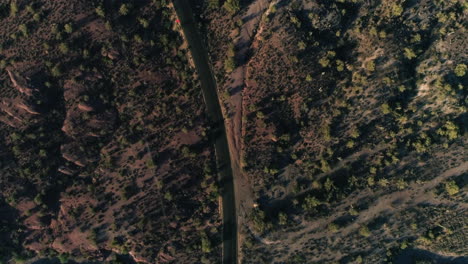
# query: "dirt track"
[234,111]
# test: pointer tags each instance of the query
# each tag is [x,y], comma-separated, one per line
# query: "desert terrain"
[233,131]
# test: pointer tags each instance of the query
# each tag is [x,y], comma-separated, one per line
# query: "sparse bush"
[37,17]
[340,65]
[449,130]
[301,45]
[258,218]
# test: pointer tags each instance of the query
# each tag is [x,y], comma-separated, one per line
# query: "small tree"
[143,22]
[397,10]
[213,4]
[37,17]
[232,6]
[55,71]
[310,203]
[205,243]
[282,218]
[409,54]
[385,108]
[100,11]
[364,231]
[24,29]
[229,64]
[63,47]
[460,70]
[333,227]
[451,187]
[68,28]
[124,9]
[13,9]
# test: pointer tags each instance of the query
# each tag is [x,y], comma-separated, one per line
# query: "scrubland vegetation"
[346,122]
[353,121]
[105,149]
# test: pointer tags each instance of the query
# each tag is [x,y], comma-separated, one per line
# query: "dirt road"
[208,85]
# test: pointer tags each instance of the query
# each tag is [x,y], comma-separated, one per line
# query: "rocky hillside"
[105,151]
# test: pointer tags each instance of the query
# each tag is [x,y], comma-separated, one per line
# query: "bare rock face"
[21,110]
[21,84]
[28,108]
[79,123]
[66,170]
[72,89]
[85,107]
[18,113]
[87,118]
[111,54]
[76,153]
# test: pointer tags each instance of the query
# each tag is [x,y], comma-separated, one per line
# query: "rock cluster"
[23,109]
